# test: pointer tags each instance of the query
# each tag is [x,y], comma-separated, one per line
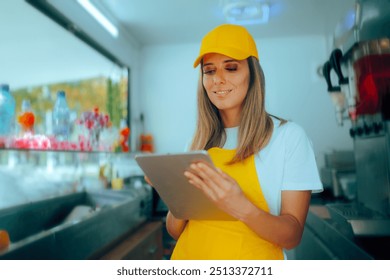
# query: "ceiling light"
[246,12]
[93,11]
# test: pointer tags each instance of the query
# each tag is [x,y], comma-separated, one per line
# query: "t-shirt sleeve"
[300,167]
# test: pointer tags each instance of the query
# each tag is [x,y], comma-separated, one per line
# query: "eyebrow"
[225,61]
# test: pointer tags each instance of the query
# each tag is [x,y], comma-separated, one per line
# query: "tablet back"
[166,173]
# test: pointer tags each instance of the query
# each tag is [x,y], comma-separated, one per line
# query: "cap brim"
[230,52]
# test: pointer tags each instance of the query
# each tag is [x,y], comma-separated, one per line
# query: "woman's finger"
[147,180]
[216,176]
[209,175]
[199,183]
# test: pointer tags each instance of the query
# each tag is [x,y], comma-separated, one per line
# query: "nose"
[219,77]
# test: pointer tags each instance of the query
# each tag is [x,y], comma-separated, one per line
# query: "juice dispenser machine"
[361,63]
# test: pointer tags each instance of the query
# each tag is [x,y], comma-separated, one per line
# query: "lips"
[222,92]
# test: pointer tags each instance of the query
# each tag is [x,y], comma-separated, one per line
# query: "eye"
[231,68]
[208,71]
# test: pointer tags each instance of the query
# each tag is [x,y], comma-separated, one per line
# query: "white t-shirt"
[286,163]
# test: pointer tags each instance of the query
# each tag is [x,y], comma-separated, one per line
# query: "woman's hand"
[284,230]
[148,180]
[220,188]
[175,226]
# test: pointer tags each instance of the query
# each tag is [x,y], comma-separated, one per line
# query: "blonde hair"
[256,125]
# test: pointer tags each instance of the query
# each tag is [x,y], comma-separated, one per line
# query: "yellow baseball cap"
[230,40]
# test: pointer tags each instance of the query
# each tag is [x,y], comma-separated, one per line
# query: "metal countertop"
[339,238]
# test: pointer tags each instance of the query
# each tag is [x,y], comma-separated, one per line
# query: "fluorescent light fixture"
[246,12]
[93,11]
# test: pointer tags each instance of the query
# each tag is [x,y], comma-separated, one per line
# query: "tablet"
[166,173]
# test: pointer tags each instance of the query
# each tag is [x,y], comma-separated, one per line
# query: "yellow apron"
[228,240]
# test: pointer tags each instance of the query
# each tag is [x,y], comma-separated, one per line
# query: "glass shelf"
[50,144]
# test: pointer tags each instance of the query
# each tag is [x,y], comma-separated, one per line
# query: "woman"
[266,166]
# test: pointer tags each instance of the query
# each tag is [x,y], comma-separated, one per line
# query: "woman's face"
[226,81]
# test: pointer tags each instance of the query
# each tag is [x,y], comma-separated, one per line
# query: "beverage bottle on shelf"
[26,118]
[61,117]
[124,134]
[26,105]
[7,111]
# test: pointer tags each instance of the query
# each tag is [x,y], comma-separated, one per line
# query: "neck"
[230,118]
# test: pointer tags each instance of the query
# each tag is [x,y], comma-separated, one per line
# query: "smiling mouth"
[222,92]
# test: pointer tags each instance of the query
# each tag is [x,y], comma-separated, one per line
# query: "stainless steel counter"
[52,229]
[327,238]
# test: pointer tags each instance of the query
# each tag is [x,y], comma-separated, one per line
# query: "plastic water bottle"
[61,115]
[7,111]
[26,106]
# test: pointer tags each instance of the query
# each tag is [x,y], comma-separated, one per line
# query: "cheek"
[210,96]
[243,85]
[246,81]
[206,83]
[246,85]
[207,86]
